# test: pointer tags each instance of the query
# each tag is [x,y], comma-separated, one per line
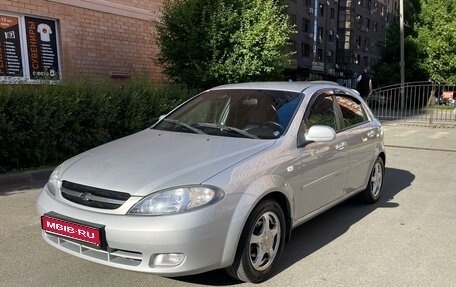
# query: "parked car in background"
[219,182]
[447,98]
[376,100]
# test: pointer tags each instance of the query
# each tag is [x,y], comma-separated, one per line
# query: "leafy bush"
[45,124]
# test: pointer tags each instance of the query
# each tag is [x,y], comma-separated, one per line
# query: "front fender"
[248,199]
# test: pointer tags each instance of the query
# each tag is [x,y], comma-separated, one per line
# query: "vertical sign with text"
[42,48]
[10,47]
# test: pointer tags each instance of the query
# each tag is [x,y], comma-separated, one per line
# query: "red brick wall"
[96,43]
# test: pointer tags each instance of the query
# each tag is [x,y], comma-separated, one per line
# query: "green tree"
[387,71]
[208,42]
[436,30]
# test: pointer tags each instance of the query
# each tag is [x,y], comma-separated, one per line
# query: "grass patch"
[444,107]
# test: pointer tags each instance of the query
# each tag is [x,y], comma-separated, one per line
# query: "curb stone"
[437,125]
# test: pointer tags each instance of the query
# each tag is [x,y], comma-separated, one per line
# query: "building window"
[307,3]
[367,24]
[319,57]
[359,19]
[366,61]
[375,10]
[358,41]
[357,59]
[293,46]
[339,60]
[305,50]
[321,10]
[331,36]
[329,56]
[28,48]
[293,20]
[332,14]
[347,42]
[320,34]
[305,25]
[366,44]
[374,26]
[360,3]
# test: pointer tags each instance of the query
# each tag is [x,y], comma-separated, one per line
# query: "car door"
[361,137]
[324,164]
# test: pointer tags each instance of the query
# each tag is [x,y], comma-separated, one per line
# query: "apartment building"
[337,39]
[61,39]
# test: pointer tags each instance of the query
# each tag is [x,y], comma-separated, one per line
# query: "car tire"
[373,190]
[264,234]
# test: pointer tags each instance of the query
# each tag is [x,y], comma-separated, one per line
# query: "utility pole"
[402,63]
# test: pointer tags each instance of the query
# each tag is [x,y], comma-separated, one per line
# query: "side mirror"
[319,133]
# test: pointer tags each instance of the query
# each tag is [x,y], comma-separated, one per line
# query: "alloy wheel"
[265,241]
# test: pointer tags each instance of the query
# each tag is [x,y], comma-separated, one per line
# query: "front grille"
[92,196]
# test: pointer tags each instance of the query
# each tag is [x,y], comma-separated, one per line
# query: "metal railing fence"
[429,102]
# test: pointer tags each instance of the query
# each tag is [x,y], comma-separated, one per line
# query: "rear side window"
[352,111]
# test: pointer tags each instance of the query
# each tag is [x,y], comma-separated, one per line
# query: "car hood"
[152,160]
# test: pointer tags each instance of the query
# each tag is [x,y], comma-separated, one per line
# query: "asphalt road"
[407,239]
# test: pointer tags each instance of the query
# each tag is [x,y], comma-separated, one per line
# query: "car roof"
[280,86]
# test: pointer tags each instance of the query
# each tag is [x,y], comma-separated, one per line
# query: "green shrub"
[45,124]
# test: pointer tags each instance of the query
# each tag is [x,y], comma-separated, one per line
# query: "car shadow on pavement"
[323,229]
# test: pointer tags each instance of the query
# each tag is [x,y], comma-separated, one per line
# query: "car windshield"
[247,113]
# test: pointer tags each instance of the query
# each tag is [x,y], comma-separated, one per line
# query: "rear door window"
[352,111]
[322,112]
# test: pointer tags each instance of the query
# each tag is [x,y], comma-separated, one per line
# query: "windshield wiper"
[182,124]
[228,128]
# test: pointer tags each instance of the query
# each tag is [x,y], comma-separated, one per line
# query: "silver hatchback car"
[219,182]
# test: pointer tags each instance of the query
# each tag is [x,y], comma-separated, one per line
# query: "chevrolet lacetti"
[219,182]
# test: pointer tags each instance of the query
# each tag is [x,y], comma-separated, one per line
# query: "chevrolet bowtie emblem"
[87,196]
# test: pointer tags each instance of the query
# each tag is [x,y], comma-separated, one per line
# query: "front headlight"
[177,200]
[53,182]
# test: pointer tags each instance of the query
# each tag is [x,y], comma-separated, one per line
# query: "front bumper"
[133,242]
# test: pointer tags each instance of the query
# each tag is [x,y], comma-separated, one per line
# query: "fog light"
[169,259]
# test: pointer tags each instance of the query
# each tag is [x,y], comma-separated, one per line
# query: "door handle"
[341,146]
